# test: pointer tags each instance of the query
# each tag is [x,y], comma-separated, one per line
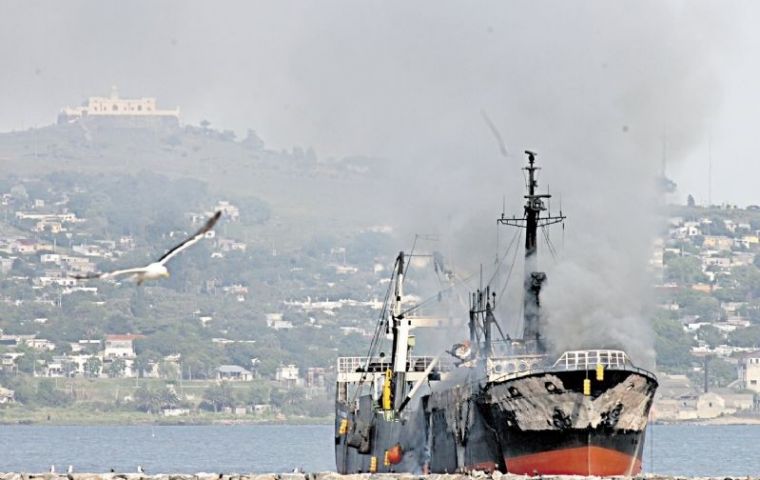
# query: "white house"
[749,371]
[287,374]
[234,373]
[120,346]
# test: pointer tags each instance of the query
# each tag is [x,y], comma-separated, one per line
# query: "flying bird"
[157,269]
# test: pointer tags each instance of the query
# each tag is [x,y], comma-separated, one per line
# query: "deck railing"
[381,364]
[586,359]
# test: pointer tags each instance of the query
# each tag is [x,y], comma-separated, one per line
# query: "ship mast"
[533,279]
[400,328]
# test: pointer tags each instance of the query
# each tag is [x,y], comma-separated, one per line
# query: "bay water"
[687,450]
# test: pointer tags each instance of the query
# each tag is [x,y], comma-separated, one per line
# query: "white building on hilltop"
[124,112]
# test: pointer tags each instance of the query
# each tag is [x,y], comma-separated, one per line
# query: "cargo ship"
[491,402]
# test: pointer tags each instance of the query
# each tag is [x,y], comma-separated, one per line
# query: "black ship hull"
[542,423]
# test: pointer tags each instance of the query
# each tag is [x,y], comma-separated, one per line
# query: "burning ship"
[492,403]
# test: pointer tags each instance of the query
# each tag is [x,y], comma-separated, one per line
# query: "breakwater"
[329,476]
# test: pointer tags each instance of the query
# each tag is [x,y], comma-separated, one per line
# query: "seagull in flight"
[157,269]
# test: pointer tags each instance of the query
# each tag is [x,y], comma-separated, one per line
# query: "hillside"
[318,194]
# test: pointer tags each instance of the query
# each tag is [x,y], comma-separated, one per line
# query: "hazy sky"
[408,80]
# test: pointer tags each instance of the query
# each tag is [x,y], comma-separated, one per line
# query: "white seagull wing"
[108,275]
[125,271]
[191,240]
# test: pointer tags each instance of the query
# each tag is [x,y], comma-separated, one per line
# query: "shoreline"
[54,417]
[164,423]
[480,475]
[75,417]
[724,420]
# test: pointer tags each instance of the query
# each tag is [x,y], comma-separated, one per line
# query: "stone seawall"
[325,476]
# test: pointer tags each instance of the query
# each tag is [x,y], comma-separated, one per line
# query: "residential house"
[719,262]
[748,241]
[51,226]
[50,258]
[6,265]
[287,374]
[15,340]
[127,242]
[235,289]
[120,346]
[718,242]
[78,264]
[40,344]
[739,259]
[8,360]
[230,211]
[275,322]
[315,377]
[692,407]
[85,345]
[6,395]
[233,373]
[24,246]
[749,371]
[229,245]
[68,366]
[46,281]
[89,250]
[175,412]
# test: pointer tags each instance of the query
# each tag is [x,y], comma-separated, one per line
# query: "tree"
[218,396]
[690,201]
[154,399]
[48,395]
[745,337]
[710,335]
[69,368]
[692,302]
[277,396]
[92,367]
[258,394]
[27,363]
[116,368]
[746,280]
[720,373]
[672,344]
[144,361]
[168,370]
[684,270]
[253,141]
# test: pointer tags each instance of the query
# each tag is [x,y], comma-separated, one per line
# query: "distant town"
[250,325]
[226,341]
[708,325]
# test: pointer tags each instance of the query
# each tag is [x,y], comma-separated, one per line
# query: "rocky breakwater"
[326,476]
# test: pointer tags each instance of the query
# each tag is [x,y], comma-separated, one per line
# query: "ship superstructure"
[491,402]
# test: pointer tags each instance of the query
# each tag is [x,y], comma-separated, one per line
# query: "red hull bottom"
[586,461]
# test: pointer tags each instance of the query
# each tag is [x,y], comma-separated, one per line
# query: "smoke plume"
[594,87]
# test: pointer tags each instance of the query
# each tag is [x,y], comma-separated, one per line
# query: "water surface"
[670,449]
